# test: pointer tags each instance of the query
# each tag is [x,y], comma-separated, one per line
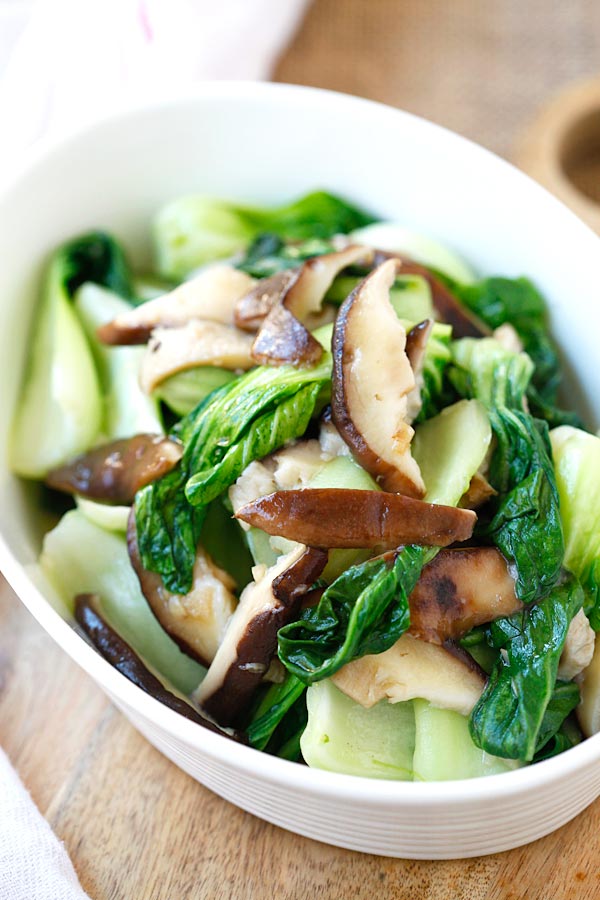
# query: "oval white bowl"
[270,143]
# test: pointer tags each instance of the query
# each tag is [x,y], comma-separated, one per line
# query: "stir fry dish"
[313,489]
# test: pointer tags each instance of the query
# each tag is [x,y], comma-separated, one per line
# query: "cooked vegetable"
[577,467]
[369,408]
[456,662]
[525,519]
[282,337]
[197,621]
[396,238]
[120,655]
[211,296]
[341,736]
[366,609]
[334,517]
[588,711]
[459,590]
[507,720]
[80,557]
[242,421]
[251,637]
[173,350]
[127,410]
[413,668]
[183,391]
[115,472]
[444,750]
[194,230]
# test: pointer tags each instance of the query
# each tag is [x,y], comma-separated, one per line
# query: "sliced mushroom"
[459,590]
[478,492]
[115,472]
[412,669]
[345,518]
[283,340]
[120,655]
[588,711]
[198,343]
[297,465]
[211,295]
[305,295]
[371,381]
[252,309]
[255,481]
[578,649]
[447,306]
[197,621]
[251,638]
[301,290]
[416,346]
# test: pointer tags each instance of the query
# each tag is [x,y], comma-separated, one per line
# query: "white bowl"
[269,143]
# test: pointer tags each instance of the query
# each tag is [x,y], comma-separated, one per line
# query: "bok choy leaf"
[525,521]
[194,230]
[59,411]
[517,301]
[520,708]
[244,420]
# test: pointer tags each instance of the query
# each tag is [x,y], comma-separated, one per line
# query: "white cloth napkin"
[33,863]
[74,59]
[63,62]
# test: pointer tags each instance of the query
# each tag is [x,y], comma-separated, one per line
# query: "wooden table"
[135,826]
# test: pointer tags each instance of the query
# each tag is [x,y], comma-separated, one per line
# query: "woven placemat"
[480,67]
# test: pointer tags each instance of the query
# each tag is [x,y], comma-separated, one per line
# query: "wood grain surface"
[135,826]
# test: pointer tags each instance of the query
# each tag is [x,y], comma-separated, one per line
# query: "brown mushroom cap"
[346,518]
[251,639]
[115,472]
[252,309]
[196,621]
[283,339]
[119,654]
[285,301]
[211,295]
[371,381]
[459,590]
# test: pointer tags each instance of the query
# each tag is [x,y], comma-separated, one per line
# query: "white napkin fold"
[63,62]
[33,863]
[78,58]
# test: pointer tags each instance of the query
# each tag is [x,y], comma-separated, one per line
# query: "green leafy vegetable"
[59,411]
[223,540]
[577,467]
[563,701]
[96,257]
[183,391]
[518,302]
[364,611]
[274,706]
[269,254]
[81,557]
[244,420]
[127,409]
[508,719]
[194,230]
[525,520]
